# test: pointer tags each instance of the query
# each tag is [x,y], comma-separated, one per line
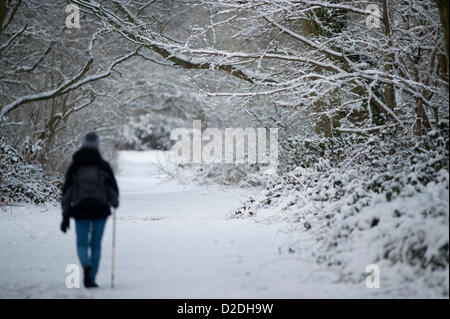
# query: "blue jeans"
[89,235]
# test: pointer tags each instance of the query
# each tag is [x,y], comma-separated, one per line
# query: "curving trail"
[173,241]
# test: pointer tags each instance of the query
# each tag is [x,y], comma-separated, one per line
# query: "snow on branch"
[69,85]
[123,27]
[11,39]
[303,39]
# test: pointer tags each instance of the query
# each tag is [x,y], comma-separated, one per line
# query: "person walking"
[89,190]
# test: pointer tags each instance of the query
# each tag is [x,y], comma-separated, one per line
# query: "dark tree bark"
[443,12]
[2,14]
[389,91]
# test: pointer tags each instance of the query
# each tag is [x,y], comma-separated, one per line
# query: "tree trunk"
[389,91]
[323,123]
[443,12]
[423,125]
[2,14]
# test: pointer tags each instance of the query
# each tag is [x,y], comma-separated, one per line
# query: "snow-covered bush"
[385,202]
[225,174]
[20,181]
[144,132]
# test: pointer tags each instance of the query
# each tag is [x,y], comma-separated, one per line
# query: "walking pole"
[113,248]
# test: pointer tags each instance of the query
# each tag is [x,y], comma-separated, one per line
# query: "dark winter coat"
[87,156]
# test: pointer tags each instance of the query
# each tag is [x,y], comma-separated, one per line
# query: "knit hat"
[90,140]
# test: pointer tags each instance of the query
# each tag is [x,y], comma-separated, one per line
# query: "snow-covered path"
[173,241]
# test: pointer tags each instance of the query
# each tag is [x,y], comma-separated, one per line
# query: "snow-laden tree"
[353,67]
[60,82]
[336,67]
[50,76]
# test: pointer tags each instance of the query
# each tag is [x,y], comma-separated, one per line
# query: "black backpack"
[90,188]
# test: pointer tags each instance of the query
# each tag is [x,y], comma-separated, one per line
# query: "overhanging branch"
[77,81]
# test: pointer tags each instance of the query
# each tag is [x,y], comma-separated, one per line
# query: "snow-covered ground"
[173,241]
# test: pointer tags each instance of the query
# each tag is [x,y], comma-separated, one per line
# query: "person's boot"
[88,282]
